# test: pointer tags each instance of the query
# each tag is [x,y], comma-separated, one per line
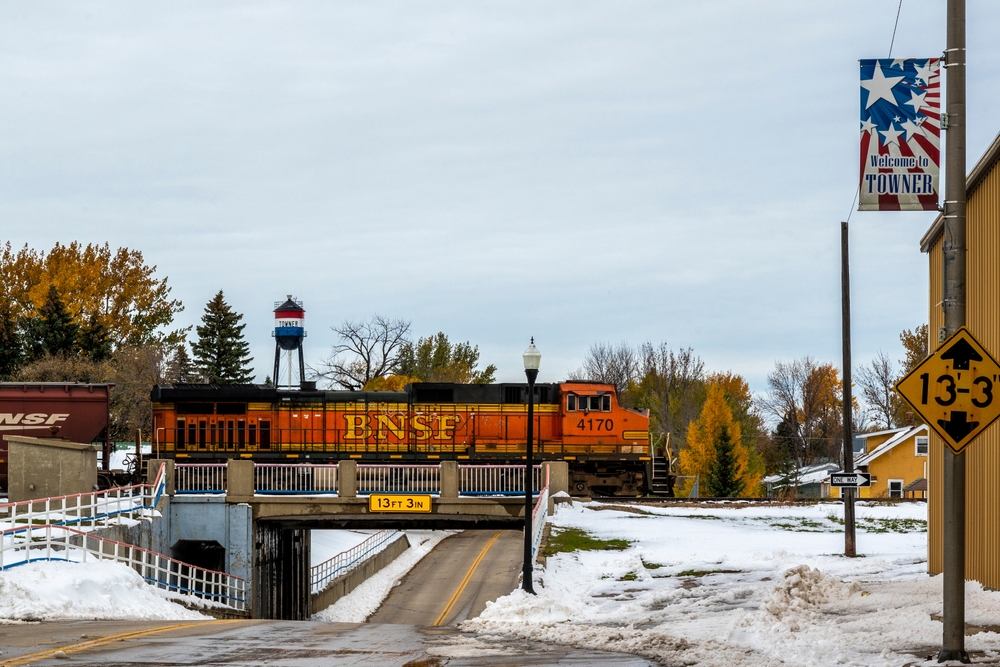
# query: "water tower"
[289,330]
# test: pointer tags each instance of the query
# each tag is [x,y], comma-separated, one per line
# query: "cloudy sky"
[574,171]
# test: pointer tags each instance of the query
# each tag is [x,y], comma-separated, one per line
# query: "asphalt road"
[456,579]
[413,628]
[277,643]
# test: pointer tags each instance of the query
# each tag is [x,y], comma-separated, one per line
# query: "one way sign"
[852,479]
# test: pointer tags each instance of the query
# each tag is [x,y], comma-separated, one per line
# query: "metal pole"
[850,544]
[529,473]
[953,271]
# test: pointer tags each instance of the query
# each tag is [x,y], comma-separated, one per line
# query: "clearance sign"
[900,134]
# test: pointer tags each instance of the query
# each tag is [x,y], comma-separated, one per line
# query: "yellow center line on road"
[101,641]
[465,581]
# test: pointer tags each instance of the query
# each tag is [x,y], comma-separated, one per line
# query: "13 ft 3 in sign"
[956,390]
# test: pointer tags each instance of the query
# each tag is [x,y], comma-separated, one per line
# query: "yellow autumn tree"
[113,288]
[699,455]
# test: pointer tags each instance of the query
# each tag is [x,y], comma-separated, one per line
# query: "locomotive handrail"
[52,542]
[347,560]
[95,507]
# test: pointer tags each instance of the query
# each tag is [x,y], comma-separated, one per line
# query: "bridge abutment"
[281,572]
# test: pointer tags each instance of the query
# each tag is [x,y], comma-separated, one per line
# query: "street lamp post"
[532,357]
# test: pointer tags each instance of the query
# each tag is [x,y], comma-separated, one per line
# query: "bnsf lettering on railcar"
[420,427]
[40,419]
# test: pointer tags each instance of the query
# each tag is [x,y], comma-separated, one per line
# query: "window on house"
[922,445]
[895,488]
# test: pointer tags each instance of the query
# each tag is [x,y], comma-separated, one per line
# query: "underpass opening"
[208,554]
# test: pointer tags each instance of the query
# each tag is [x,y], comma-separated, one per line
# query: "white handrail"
[539,514]
[345,561]
[52,542]
[94,509]
[296,478]
[383,478]
[200,477]
[495,480]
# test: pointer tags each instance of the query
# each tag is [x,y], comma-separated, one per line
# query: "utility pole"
[847,493]
[953,270]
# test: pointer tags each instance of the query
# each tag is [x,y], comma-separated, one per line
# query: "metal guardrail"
[295,479]
[323,574]
[379,478]
[52,542]
[495,480]
[200,477]
[95,509]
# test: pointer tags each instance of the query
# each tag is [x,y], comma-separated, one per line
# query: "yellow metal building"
[982,555]
[897,461]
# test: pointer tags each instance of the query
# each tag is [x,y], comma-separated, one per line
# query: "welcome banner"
[900,134]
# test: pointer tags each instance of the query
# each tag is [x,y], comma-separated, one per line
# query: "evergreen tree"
[11,352]
[222,355]
[95,341]
[723,479]
[55,328]
[180,367]
[436,359]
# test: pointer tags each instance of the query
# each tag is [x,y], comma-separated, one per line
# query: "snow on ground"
[362,602]
[325,544]
[749,585]
[55,590]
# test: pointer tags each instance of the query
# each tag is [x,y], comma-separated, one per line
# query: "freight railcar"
[605,444]
[75,411]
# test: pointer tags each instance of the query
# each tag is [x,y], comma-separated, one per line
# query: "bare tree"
[617,365]
[805,396]
[675,388]
[367,350]
[877,382]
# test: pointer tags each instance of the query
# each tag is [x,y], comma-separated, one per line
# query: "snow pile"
[364,600]
[98,590]
[749,585]
[802,590]
[325,544]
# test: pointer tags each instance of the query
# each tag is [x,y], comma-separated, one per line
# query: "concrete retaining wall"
[341,586]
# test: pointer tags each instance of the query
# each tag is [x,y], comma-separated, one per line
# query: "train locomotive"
[606,445]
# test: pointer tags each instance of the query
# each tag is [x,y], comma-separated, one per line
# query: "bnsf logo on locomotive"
[400,425]
[16,421]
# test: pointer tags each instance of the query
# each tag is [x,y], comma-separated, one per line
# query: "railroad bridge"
[253,520]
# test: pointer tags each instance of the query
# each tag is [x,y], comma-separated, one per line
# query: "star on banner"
[880,87]
[891,136]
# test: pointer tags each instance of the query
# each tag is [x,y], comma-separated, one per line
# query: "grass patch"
[702,573]
[704,517]
[575,539]
[628,576]
[892,525]
[651,566]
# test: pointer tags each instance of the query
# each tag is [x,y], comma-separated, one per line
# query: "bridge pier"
[281,581]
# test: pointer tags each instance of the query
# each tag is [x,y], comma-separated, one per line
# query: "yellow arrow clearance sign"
[956,390]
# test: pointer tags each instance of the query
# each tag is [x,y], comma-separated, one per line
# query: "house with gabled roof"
[897,460]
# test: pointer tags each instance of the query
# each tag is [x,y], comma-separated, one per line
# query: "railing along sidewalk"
[52,542]
[539,514]
[94,509]
[345,561]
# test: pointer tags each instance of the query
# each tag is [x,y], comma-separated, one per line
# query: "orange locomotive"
[606,445]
